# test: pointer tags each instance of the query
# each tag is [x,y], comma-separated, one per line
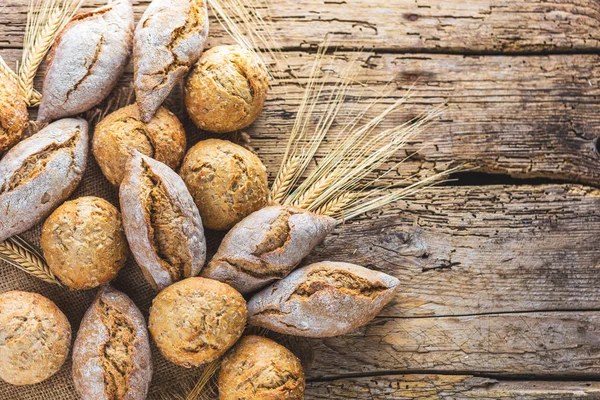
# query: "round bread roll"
[13,113]
[259,368]
[34,338]
[226,90]
[163,138]
[83,242]
[196,320]
[226,181]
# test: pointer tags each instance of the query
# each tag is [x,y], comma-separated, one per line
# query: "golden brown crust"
[259,368]
[83,242]
[13,113]
[163,138]
[226,90]
[34,338]
[226,181]
[195,321]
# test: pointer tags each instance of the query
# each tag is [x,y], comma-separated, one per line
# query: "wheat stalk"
[22,255]
[8,72]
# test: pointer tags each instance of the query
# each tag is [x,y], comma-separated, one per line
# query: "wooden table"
[500,270]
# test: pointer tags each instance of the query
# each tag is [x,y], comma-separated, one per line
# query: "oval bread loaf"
[39,173]
[168,40]
[322,300]
[267,245]
[87,59]
[111,354]
[162,224]
[13,113]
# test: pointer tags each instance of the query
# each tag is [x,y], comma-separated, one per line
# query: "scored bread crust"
[267,245]
[111,354]
[162,224]
[39,173]
[322,300]
[168,40]
[13,113]
[87,59]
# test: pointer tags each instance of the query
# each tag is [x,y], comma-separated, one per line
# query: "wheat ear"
[283,182]
[22,255]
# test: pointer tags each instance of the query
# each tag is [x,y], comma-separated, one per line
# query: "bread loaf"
[266,246]
[323,299]
[111,354]
[39,173]
[259,368]
[168,40]
[35,337]
[162,224]
[87,59]
[195,321]
[13,113]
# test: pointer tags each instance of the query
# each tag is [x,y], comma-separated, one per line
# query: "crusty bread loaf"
[266,246]
[39,173]
[13,113]
[226,89]
[168,40]
[163,138]
[84,243]
[322,299]
[195,321]
[87,59]
[259,368]
[162,224]
[111,354]
[35,337]
[226,181]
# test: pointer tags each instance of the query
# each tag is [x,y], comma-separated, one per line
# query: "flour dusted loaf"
[35,337]
[266,246]
[13,113]
[226,181]
[163,138]
[226,89]
[83,242]
[322,300]
[87,59]
[111,354]
[168,40]
[162,224]
[195,321]
[39,173]
[259,368]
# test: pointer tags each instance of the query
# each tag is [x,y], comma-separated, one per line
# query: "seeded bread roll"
[84,243]
[322,300]
[226,89]
[168,40]
[163,138]
[34,338]
[259,368]
[39,173]
[226,181]
[162,224]
[87,59]
[195,321]
[267,245]
[13,113]
[111,354]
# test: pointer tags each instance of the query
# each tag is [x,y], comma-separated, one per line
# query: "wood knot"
[411,17]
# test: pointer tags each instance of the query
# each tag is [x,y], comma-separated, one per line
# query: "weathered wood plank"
[430,387]
[407,25]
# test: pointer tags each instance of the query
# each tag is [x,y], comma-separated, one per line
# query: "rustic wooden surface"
[500,270]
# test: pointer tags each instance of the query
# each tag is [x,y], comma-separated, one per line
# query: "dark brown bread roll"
[87,59]
[162,224]
[35,337]
[39,173]
[13,113]
[267,245]
[111,354]
[322,300]
[259,368]
[168,40]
